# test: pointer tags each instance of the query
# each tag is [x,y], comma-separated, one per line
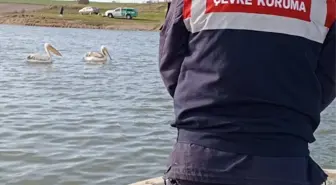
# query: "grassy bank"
[27,1]
[151,16]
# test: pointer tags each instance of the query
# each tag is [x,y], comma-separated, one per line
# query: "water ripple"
[70,123]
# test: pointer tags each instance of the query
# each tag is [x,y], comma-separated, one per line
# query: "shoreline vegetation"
[46,13]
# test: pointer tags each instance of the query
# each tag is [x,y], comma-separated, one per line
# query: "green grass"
[147,13]
[43,2]
[99,5]
[151,15]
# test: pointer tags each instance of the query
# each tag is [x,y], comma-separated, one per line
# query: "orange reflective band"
[187,9]
[331,13]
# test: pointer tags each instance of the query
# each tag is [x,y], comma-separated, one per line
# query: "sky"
[122,1]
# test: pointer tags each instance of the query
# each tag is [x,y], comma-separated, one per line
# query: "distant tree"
[83,1]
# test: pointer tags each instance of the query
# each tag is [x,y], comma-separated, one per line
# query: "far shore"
[151,16]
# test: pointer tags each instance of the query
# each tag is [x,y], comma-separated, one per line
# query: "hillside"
[46,13]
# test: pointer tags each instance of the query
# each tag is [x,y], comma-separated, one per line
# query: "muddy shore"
[27,20]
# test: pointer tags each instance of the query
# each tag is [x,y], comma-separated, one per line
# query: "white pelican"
[38,58]
[97,57]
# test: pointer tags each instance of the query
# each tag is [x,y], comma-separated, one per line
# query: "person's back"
[248,77]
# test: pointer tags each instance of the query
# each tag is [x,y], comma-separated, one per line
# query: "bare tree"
[83,1]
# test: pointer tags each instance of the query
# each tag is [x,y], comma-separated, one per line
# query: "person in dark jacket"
[249,80]
[61,11]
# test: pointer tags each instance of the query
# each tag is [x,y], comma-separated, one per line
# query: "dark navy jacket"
[249,78]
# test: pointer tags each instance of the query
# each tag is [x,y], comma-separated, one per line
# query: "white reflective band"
[313,30]
[187,24]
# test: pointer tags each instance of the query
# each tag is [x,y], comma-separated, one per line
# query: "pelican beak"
[108,54]
[52,49]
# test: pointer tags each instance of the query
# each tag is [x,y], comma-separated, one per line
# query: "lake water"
[72,123]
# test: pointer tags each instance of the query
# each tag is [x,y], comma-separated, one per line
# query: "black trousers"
[184,182]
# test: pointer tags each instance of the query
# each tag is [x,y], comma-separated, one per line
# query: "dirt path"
[7,8]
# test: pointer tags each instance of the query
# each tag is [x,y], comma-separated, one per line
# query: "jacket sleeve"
[326,68]
[173,46]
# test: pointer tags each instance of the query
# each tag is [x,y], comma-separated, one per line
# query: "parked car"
[89,10]
[120,12]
